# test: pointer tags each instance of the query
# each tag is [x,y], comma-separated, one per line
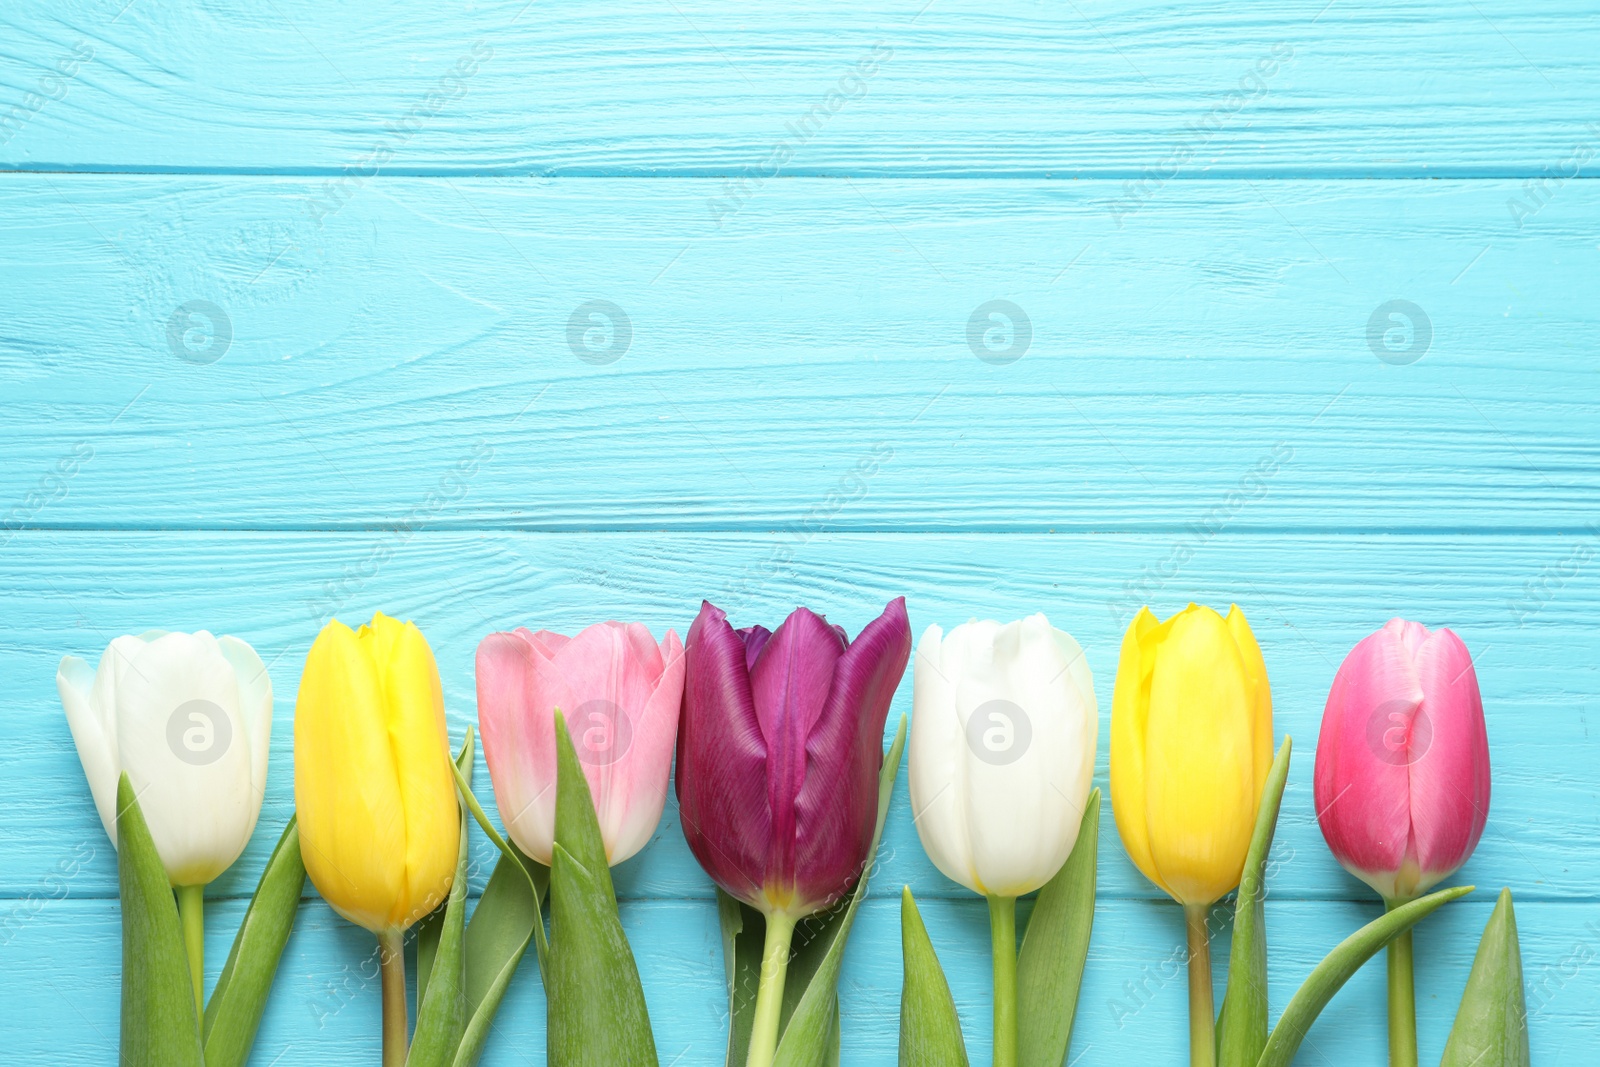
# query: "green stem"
[1202,1013]
[396,1026]
[1003,935]
[1402,999]
[769,996]
[192,911]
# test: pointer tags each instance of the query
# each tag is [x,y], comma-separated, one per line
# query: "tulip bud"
[779,752]
[1402,776]
[1191,744]
[379,820]
[620,694]
[188,717]
[1002,751]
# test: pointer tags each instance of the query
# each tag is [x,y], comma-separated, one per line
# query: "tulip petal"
[115,663]
[1130,713]
[938,762]
[1362,781]
[545,642]
[1450,781]
[414,703]
[836,805]
[1255,667]
[790,684]
[638,792]
[183,744]
[755,638]
[255,706]
[1200,797]
[1412,635]
[620,694]
[515,719]
[1028,779]
[347,794]
[75,681]
[610,669]
[722,760]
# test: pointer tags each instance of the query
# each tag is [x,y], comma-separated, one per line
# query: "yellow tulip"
[1191,744]
[379,822]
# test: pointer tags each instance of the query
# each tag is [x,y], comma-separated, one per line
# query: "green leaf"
[930,1030]
[503,924]
[1336,968]
[743,932]
[430,929]
[1242,1025]
[597,1015]
[596,1007]
[159,1025]
[1054,948]
[811,1036]
[507,917]
[240,998]
[577,825]
[441,957]
[1491,1027]
[808,949]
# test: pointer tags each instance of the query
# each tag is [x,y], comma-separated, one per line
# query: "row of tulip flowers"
[782,787]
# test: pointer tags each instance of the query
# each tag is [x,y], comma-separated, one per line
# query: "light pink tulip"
[1402,777]
[620,694]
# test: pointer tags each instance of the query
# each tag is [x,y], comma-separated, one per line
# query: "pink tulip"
[780,750]
[620,694]
[1402,777]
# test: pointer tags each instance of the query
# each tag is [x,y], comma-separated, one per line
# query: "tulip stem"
[769,996]
[1202,1013]
[192,910]
[1003,934]
[396,1027]
[1402,999]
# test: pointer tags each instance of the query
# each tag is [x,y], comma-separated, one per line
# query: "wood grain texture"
[1310,598]
[62,965]
[960,87]
[408,359]
[295,321]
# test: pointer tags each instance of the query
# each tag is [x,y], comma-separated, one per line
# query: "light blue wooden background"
[399,421]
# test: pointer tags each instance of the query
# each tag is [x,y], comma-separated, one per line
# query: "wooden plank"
[1122,88]
[1310,598]
[65,962]
[414,357]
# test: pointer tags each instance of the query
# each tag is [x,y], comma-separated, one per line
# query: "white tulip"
[189,718]
[1003,739]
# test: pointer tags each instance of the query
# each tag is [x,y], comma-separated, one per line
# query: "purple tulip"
[779,750]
